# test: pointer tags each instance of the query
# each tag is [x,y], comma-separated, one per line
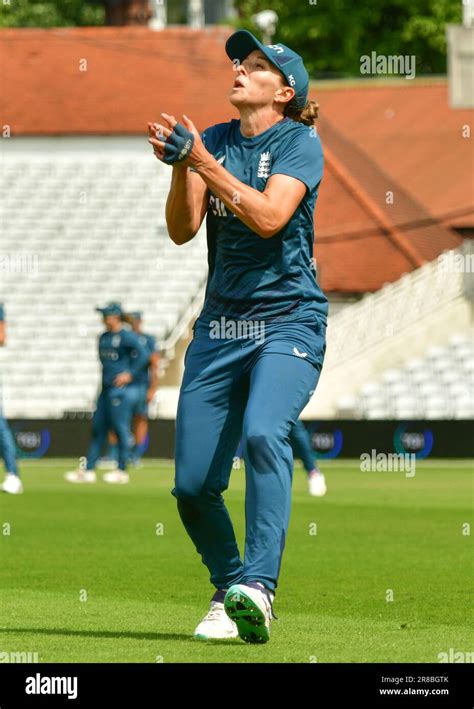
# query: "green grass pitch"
[380,570]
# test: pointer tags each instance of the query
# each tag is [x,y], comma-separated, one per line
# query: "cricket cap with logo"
[111,309]
[241,43]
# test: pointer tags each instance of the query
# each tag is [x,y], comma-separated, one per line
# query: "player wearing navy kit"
[12,482]
[122,356]
[259,342]
[146,381]
[301,446]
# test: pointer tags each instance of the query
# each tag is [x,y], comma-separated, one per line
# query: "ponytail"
[306,115]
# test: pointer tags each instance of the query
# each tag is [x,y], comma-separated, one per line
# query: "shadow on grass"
[118,634]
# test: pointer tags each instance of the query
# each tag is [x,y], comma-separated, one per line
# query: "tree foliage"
[57,13]
[332,35]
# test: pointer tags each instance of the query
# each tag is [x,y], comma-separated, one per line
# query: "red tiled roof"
[350,249]
[377,138]
[415,137]
[403,139]
[132,74]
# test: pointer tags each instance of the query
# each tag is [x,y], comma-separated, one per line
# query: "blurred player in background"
[301,445]
[122,356]
[147,383]
[12,482]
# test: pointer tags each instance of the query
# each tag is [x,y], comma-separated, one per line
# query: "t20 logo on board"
[31,444]
[326,440]
[412,438]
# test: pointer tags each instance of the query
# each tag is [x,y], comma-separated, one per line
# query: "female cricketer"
[259,342]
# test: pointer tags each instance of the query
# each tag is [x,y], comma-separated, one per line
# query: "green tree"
[332,35]
[58,13]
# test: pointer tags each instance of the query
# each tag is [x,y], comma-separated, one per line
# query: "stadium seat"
[86,255]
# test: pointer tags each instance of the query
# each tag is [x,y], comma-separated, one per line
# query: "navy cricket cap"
[111,309]
[241,43]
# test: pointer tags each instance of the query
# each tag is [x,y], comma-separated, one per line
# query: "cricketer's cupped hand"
[176,143]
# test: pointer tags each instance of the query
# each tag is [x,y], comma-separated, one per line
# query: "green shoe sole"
[247,616]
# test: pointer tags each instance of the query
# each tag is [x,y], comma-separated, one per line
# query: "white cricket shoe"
[80,476]
[216,625]
[116,477]
[250,607]
[317,485]
[12,484]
